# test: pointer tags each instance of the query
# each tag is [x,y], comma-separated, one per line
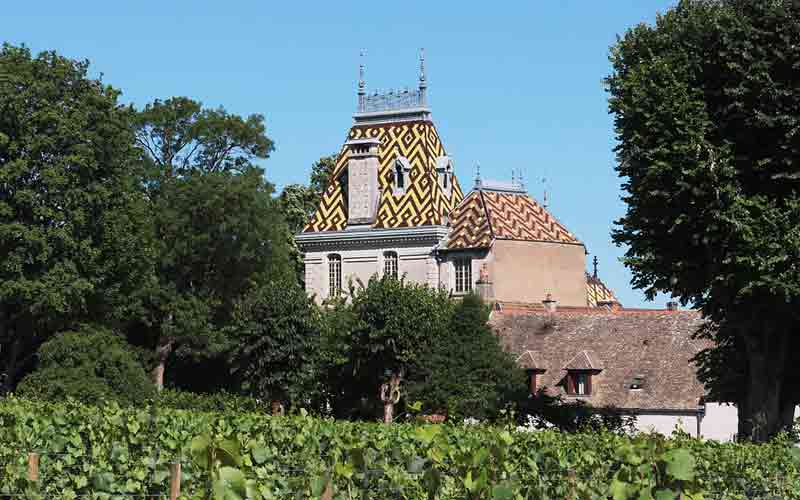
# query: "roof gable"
[584,360]
[424,201]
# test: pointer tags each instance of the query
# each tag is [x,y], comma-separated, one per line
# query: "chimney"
[363,191]
[550,305]
[672,305]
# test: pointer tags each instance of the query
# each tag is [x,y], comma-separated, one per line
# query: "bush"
[216,402]
[91,364]
[113,451]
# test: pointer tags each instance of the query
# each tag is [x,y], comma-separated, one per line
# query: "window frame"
[573,385]
[391,264]
[334,275]
[462,274]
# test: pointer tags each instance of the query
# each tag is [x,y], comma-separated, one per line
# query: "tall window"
[390,264]
[463,274]
[399,176]
[334,274]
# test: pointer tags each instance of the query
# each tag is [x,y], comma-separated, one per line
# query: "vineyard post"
[572,492]
[33,467]
[174,481]
[328,493]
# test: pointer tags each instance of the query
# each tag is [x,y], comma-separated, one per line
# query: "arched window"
[390,264]
[334,275]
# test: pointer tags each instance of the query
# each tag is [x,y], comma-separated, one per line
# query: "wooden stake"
[328,493]
[174,481]
[573,492]
[33,467]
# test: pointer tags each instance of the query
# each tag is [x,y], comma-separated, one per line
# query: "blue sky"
[512,85]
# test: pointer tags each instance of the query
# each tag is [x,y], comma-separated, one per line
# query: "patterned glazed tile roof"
[424,202]
[597,292]
[656,345]
[486,215]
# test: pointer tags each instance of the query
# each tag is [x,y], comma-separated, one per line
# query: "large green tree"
[466,372]
[276,331]
[393,323]
[705,105]
[74,241]
[219,231]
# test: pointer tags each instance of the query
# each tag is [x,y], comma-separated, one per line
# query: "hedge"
[110,451]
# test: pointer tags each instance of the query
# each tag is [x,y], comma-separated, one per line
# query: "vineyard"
[113,452]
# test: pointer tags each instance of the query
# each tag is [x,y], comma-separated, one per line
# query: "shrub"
[216,402]
[91,364]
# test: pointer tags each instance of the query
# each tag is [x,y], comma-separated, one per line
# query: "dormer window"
[534,374]
[579,383]
[444,172]
[401,174]
[399,177]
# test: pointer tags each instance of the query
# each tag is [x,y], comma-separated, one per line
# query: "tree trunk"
[761,418]
[390,396]
[162,354]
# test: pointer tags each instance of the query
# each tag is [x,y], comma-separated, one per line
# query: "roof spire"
[362,92]
[594,263]
[513,177]
[477,175]
[545,202]
[423,83]
[521,180]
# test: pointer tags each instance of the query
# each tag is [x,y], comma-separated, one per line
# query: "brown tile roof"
[485,215]
[626,343]
[424,202]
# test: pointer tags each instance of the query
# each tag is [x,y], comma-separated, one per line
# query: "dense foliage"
[91,364]
[73,227]
[705,105]
[465,372]
[111,451]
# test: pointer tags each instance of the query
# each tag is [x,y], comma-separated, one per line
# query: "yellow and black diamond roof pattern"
[487,215]
[597,292]
[424,202]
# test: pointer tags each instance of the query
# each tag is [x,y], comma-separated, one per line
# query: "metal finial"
[362,92]
[594,262]
[545,201]
[422,67]
[521,180]
[477,175]
[513,177]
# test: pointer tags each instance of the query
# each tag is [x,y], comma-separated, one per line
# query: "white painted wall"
[666,424]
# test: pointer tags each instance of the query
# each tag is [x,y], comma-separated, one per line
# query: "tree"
[180,136]
[219,235]
[276,332]
[91,364]
[705,112]
[299,202]
[73,224]
[219,232]
[395,323]
[466,372]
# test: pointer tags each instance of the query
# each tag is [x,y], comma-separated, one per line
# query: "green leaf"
[666,495]
[260,453]
[503,492]
[680,464]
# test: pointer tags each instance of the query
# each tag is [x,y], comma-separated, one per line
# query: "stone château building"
[394,206]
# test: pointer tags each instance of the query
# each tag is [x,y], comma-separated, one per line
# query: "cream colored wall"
[526,271]
[417,263]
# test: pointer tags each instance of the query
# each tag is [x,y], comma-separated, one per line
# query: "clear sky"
[512,85]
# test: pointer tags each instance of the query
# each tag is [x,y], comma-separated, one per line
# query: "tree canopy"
[705,105]
[73,223]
